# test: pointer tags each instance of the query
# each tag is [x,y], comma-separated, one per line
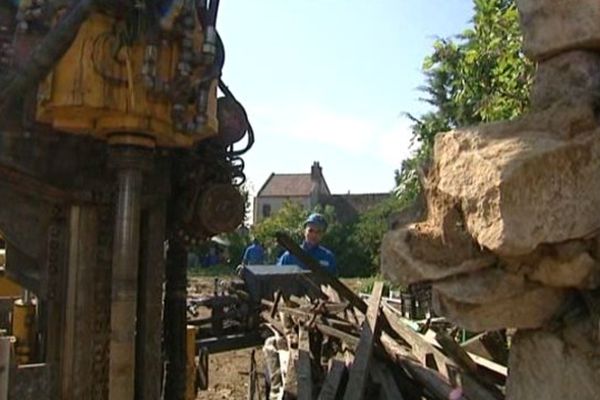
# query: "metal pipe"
[176,321]
[125,278]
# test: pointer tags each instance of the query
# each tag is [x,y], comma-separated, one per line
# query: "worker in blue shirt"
[314,228]
[254,254]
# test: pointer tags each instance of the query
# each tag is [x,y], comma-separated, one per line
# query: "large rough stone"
[401,266]
[554,26]
[579,272]
[527,310]
[481,287]
[554,366]
[569,77]
[518,190]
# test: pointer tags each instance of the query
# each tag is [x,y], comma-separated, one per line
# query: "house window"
[266,210]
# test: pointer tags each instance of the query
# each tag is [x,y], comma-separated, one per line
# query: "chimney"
[316,171]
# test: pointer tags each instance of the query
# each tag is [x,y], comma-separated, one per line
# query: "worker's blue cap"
[316,219]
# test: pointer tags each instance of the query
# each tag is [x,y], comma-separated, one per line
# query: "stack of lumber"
[355,349]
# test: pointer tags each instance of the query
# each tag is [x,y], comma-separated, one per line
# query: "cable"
[250,131]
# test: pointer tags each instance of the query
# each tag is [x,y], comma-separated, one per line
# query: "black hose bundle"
[43,58]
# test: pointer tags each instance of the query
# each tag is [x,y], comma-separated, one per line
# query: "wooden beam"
[382,375]
[331,386]
[285,241]
[451,371]
[290,387]
[304,369]
[346,293]
[349,339]
[359,373]
[458,354]
[420,347]
[431,380]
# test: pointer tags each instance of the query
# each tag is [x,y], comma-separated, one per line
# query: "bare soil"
[228,372]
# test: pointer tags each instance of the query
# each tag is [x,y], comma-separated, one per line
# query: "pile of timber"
[339,352]
[352,349]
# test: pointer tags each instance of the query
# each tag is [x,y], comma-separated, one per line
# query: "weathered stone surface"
[481,287]
[400,265]
[520,189]
[527,310]
[564,119]
[554,366]
[572,76]
[554,26]
[579,272]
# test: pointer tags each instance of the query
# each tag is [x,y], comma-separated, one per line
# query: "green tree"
[372,225]
[478,76]
[289,219]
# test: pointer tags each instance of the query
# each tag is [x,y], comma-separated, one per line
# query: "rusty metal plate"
[221,208]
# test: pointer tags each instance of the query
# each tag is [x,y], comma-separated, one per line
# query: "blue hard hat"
[316,219]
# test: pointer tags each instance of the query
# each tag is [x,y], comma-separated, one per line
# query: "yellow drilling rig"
[120,147]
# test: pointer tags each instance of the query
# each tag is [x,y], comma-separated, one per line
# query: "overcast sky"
[329,80]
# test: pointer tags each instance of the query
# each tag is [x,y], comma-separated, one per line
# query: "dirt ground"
[228,377]
[228,372]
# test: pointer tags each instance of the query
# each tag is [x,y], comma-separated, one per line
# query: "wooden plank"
[349,339]
[384,377]
[285,241]
[424,351]
[458,354]
[359,373]
[433,381]
[304,369]
[331,386]
[420,347]
[424,344]
[290,387]
[346,293]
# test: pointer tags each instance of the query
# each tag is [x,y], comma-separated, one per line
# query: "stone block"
[517,190]
[527,310]
[481,287]
[401,266]
[554,365]
[579,272]
[572,77]
[551,27]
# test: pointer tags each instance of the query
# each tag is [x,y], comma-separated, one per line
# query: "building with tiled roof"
[310,190]
[305,189]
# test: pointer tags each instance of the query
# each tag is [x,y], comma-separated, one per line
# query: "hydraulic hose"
[43,58]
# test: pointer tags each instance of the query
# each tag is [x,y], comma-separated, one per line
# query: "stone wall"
[513,215]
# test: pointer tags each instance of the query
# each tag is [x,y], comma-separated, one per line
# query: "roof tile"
[287,185]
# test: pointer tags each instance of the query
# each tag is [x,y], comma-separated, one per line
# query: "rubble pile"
[355,350]
[513,222]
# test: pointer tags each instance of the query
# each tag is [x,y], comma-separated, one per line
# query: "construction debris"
[354,349]
[335,352]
